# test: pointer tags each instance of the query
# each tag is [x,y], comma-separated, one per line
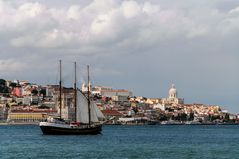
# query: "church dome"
[173,92]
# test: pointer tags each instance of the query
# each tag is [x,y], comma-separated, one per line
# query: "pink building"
[17,91]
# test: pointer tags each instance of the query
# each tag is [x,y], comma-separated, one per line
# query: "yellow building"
[26,117]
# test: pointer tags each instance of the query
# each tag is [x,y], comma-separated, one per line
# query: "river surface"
[124,142]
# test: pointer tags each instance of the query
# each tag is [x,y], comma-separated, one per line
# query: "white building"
[99,89]
[159,106]
[172,97]
[106,91]
[84,87]
[120,98]
[111,93]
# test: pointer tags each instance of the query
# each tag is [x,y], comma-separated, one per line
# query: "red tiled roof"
[115,91]
[109,112]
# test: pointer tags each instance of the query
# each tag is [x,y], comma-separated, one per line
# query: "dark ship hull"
[84,130]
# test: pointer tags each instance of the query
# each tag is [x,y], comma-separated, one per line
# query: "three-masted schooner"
[87,115]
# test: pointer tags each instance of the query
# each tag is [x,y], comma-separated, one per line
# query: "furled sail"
[82,110]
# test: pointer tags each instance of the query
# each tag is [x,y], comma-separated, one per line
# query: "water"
[124,142]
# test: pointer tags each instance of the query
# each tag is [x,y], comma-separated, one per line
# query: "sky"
[141,45]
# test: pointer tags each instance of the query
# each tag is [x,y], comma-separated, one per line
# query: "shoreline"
[6,124]
[13,124]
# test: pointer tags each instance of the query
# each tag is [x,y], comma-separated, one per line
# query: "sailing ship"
[88,117]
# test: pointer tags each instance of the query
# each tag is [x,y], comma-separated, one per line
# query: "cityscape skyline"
[142,46]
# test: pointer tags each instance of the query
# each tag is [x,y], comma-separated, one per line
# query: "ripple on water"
[124,142]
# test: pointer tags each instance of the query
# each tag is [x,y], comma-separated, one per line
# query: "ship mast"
[75,94]
[60,89]
[88,92]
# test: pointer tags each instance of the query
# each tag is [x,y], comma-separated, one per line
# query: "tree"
[135,109]
[34,92]
[183,117]
[7,105]
[144,98]
[97,96]
[2,82]
[4,89]
[13,85]
[191,117]
[162,117]
[43,92]
[227,117]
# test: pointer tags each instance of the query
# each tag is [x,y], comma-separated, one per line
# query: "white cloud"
[74,12]
[130,8]
[31,9]
[234,10]
[101,23]
[141,37]
[125,23]
[149,8]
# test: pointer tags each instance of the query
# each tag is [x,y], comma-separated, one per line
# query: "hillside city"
[22,102]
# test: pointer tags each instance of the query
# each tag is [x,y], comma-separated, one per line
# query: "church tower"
[84,87]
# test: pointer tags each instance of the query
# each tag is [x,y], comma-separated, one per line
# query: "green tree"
[191,117]
[227,117]
[34,92]
[13,85]
[182,117]
[4,89]
[43,92]
[2,82]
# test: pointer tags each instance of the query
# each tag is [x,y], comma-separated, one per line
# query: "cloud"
[99,23]
[11,65]
[130,41]
[234,11]
[31,10]
[130,9]
[149,8]
[74,12]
